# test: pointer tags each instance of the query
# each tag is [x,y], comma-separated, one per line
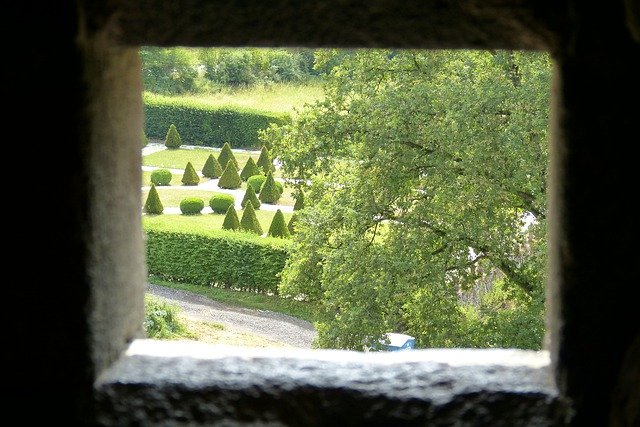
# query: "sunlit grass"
[178,159]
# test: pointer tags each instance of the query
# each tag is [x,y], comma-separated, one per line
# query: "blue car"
[393,341]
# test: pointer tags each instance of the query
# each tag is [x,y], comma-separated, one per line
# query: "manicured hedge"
[207,125]
[226,259]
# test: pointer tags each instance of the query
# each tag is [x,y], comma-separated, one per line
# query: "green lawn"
[202,224]
[173,196]
[176,179]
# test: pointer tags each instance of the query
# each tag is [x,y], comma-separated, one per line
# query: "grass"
[216,333]
[172,196]
[301,310]
[201,224]
[278,97]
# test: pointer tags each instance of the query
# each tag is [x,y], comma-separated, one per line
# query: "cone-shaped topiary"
[172,140]
[220,202]
[264,161]
[153,205]
[249,221]
[250,169]
[225,155]
[212,168]
[256,182]
[269,193]
[292,223]
[250,195]
[299,204]
[161,177]
[190,176]
[230,178]
[231,221]
[278,226]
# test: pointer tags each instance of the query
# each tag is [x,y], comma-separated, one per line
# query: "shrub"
[230,178]
[190,176]
[256,182]
[270,193]
[212,168]
[191,205]
[249,222]
[231,221]
[225,155]
[292,223]
[161,320]
[250,169]
[153,205]
[278,227]
[220,202]
[299,204]
[265,161]
[250,195]
[145,140]
[161,177]
[172,139]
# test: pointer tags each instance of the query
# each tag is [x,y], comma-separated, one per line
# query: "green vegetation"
[211,168]
[220,202]
[162,320]
[291,226]
[299,197]
[250,169]
[225,155]
[249,221]
[161,177]
[270,192]
[191,205]
[172,139]
[250,195]
[278,227]
[230,178]
[231,221]
[256,182]
[190,176]
[153,205]
[199,224]
[265,161]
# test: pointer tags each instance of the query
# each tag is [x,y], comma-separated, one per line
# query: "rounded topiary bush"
[153,205]
[278,226]
[161,177]
[220,202]
[172,140]
[191,205]
[256,182]
[190,176]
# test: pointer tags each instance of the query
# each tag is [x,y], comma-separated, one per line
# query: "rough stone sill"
[189,383]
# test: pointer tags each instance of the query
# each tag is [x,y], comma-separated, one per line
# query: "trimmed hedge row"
[203,124]
[228,259]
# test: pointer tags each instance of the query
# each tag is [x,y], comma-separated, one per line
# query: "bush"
[212,168]
[299,204]
[191,205]
[278,226]
[292,224]
[225,155]
[250,169]
[265,162]
[145,140]
[250,195]
[256,182]
[270,192]
[249,222]
[190,176]
[161,319]
[230,178]
[231,221]
[220,202]
[153,205]
[172,140]
[161,177]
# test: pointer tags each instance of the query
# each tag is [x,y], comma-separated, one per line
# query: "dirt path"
[277,327]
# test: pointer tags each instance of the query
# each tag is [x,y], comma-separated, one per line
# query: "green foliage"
[250,169]
[172,138]
[423,167]
[161,177]
[299,204]
[291,226]
[256,182]
[278,226]
[226,154]
[169,70]
[153,205]
[230,178]
[190,176]
[145,140]
[231,221]
[250,196]
[249,222]
[162,321]
[212,168]
[191,205]
[226,259]
[270,192]
[220,202]
[265,161]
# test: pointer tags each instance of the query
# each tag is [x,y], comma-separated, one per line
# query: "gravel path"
[274,326]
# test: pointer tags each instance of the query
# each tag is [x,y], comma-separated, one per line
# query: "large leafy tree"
[427,208]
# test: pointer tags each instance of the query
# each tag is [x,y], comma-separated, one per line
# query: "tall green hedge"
[226,259]
[204,124]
